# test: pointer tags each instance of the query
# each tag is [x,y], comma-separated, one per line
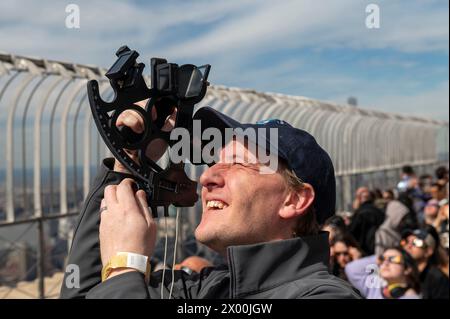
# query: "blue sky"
[318,49]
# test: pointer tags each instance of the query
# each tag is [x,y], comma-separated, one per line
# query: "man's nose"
[212,177]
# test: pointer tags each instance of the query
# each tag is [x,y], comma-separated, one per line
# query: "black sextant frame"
[171,86]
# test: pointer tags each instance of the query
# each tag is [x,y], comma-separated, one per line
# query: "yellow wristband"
[127,260]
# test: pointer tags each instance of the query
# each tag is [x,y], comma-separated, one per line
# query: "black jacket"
[364,225]
[435,284]
[294,268]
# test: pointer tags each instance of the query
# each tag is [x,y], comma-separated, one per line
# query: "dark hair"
[405,199]
[437,258]
[441,171]
[377,193]
[337,223]
[391,193]
[307,224]
[413,278]
[425,176]
[409,221]
[439,186]
[407,169]
[347,239]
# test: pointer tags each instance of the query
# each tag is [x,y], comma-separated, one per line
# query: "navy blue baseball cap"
[299,149]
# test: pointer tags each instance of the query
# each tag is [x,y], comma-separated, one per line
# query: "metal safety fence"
[50,151]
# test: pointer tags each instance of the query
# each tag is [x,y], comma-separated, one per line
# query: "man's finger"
[125,195]
[110,195]
[131,119]
[142,200]
[169,124]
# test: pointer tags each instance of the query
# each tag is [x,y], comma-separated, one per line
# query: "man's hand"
[126,225]
[135,122]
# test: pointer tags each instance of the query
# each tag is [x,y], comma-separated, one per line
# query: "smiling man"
[266,225]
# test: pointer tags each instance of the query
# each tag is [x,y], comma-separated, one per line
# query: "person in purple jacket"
[392,275]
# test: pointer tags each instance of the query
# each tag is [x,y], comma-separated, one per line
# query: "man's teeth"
[216,204]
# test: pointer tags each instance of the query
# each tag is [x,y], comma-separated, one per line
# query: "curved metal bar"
[63,146]
[290,108]
[332,134]
[230,100]
[10,216]
[317,125]
[297,120]
[74,145]
[371,150]
[269,105]
[52,116]
[337,141]
[37,147]
[104,85]
[354,138]
[325,128]
[301,119]
[346,165]
[253,114]
[7,84]
[24,148]
[87,153]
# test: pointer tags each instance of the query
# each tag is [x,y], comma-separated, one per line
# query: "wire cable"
[165,256]
[174,252]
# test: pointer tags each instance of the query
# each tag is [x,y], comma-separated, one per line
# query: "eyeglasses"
[419,243]
[391,259]
[416,242]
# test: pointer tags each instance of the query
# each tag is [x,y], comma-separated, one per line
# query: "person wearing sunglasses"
[432,261]
[391,275]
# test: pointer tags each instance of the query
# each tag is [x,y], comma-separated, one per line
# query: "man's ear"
[297,202]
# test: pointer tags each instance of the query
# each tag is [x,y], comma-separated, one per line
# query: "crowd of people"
[395,244]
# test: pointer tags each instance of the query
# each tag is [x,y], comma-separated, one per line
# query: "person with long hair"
[343,249]
[391,275]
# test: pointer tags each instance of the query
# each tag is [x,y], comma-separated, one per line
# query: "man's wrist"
[126,261]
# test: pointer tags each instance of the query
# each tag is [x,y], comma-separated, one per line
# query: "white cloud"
[431,103]
[244,26]
[415,27]
[36,27]
[231,34]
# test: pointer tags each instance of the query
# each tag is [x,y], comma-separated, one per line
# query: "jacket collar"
[263,266]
